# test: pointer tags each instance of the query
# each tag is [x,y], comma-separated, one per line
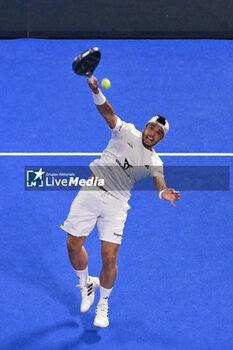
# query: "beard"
[153,144]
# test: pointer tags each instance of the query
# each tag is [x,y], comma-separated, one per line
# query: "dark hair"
[161,119]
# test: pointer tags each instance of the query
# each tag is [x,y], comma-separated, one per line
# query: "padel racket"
[86,63]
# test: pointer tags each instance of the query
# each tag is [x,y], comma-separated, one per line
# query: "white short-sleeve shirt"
[125,160]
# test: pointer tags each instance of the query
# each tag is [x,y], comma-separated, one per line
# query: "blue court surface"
[174,288]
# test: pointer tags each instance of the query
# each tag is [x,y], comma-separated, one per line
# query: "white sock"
[82,276]
[104,293]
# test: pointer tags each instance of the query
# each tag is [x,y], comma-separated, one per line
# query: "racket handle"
[91,79]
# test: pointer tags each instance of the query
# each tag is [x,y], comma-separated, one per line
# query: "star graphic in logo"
[38,174]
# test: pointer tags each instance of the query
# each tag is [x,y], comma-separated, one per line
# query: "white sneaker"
[88,293]
[101,318]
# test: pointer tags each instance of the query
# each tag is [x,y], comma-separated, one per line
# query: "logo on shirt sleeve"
[120,127]
[130,144]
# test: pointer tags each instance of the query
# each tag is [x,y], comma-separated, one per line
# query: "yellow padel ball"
[105,83]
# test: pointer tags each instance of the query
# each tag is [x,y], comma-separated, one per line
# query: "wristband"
[161,193]
[99,99]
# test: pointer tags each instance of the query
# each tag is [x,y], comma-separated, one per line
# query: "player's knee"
[109,260]
[74,244]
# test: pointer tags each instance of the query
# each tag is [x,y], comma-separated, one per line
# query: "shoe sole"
[100,325]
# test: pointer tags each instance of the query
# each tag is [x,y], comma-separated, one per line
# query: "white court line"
[23,154]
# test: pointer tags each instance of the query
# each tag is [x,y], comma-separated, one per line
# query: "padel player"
[128,157]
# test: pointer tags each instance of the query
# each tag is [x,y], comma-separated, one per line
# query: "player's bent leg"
[109,252]
[77,253]
[79,260]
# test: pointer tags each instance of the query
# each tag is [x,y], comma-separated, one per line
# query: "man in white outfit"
[128,157]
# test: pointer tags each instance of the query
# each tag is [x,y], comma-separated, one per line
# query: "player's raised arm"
[165,193]
[103,106]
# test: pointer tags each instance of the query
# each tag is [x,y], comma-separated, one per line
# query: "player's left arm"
[168,193]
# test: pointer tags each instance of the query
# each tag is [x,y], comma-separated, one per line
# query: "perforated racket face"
[86,63]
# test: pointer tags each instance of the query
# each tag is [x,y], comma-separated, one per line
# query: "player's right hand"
[93,85]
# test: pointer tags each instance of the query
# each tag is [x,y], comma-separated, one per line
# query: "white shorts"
[98,206]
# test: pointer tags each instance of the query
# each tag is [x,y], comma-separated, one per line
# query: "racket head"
[86,63]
